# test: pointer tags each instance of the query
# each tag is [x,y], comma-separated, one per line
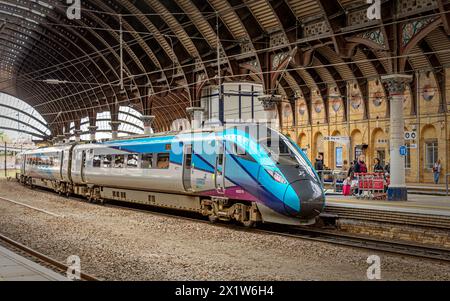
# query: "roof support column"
[78,131]
[196,114]
[148,120]
[270,105]
[396,84]
[115,123]
[92,125]
[115,129]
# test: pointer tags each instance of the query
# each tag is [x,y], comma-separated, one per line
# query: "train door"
[23,164]
[187,167]
[61,164]
[83,165]
[219,179]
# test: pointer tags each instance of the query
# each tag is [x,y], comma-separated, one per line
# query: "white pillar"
[196,114]
[92,131]
[115,129]
[67,137]
[270,105]
[396,84]
[148,121]
[78,135]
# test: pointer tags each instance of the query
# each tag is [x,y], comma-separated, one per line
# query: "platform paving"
[421,204]
[14,267]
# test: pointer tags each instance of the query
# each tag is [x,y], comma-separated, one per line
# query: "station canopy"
[68,68]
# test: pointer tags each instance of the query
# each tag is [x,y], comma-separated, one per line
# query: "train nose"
[309,197]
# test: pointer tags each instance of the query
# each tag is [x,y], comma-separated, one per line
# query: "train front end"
[293,191]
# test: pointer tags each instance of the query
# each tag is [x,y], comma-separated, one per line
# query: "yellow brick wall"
[430,124]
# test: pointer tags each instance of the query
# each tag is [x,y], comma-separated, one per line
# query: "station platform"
[417,204]
[14,267]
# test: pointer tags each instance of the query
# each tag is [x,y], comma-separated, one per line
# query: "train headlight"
[276,176]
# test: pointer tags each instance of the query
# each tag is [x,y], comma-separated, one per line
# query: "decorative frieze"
[375,36]
[408,7]
[411,29]
[278,39]
[316,29]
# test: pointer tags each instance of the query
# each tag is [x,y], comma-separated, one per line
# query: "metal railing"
[332,178]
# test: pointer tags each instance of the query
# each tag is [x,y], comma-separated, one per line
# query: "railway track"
[396,217]
[40,258]
[319,235]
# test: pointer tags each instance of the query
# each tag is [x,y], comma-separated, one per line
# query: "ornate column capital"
[269,102]
[92,129]
[114,125]
[148,120]
[193,110]
[396,83]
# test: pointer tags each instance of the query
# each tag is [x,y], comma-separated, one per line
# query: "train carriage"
[225,173]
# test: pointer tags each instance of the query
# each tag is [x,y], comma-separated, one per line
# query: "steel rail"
[325,236]
[44,258]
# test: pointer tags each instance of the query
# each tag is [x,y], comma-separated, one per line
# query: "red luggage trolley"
[371,186]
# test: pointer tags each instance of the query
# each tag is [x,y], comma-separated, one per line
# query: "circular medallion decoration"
[377,98]
[318,106]
[428,92]
[336,104]
[356,101]
[302,109]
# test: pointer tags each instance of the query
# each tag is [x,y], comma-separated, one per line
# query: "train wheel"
[213,218]
[248,224]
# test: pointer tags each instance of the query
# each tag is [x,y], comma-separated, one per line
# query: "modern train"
[226,173]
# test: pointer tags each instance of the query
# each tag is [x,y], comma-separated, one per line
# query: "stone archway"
[355,140]
[332,148]
[318,146]
[379,147]
[429,144]
[302,141]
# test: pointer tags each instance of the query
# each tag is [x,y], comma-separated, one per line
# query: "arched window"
[20,122]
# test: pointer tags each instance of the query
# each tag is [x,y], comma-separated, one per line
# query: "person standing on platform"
[437,171]
[351,169]
[377,167]
[360,167]
[318,165]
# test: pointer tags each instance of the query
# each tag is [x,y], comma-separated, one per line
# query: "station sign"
[337,139]
[410,135]
[413,146]
[403,150]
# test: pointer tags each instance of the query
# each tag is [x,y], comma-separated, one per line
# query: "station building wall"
[431,126]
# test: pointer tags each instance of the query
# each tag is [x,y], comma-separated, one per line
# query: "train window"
[188,164]
[97,161]
[107,161]
[132,161]
[163,161]
[240,152]
[147,161]
[119,161]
